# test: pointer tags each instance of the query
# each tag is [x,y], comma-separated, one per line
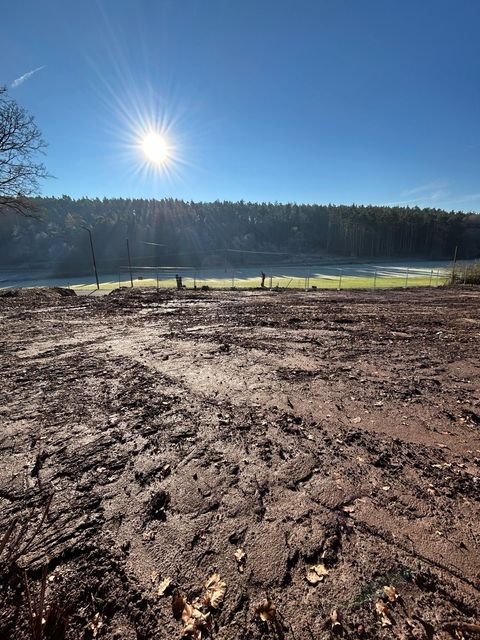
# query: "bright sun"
[155,148]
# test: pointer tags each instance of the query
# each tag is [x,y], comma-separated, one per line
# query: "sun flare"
[155,148]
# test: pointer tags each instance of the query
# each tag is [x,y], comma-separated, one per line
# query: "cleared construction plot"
[241,464]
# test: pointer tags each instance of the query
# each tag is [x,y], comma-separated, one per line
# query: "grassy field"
[346,282]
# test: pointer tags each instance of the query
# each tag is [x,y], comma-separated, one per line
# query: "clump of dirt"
[38,293]
[240,465]
[46,293]
[158,505]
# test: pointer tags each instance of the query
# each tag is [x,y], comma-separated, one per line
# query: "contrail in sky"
[16,83]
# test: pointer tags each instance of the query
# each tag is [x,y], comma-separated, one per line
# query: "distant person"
[263,279]
[179,281]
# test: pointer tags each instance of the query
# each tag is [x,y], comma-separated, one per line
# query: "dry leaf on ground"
[384,613]
[335,616]
[241,558]
[336,620]
[166,471]
[266,610]
[391,593]
[215,591]
[316,573]
[163,586]
[196,622]
[195,616]
[187,612]
[96,624]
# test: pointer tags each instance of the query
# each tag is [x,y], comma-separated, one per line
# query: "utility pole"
[129,263]
[93,255]
[454,263]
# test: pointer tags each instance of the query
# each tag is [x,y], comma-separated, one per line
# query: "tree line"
[175,232]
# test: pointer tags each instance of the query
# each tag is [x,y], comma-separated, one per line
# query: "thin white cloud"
[398,203]
[433,187]
[437,195]
[442,198]
[18,81]
[470,197]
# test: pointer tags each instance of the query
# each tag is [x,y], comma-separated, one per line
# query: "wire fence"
[330,278]
[297,277]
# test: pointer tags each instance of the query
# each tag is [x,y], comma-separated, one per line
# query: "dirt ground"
[149,436]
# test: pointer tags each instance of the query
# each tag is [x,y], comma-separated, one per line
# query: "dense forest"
[173,232]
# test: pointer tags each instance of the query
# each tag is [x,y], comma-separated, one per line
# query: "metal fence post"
[406,278]
[340,279]
[431,276]
[157,281]
[454,263]
[375,280]
[129,264]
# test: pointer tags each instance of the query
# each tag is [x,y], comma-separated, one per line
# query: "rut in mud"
[169,431]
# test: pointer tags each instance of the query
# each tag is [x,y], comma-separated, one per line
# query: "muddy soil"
[149,436]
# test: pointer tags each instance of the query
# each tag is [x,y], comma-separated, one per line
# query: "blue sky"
[341,101]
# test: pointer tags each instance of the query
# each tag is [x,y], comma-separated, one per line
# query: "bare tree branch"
[20,171]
